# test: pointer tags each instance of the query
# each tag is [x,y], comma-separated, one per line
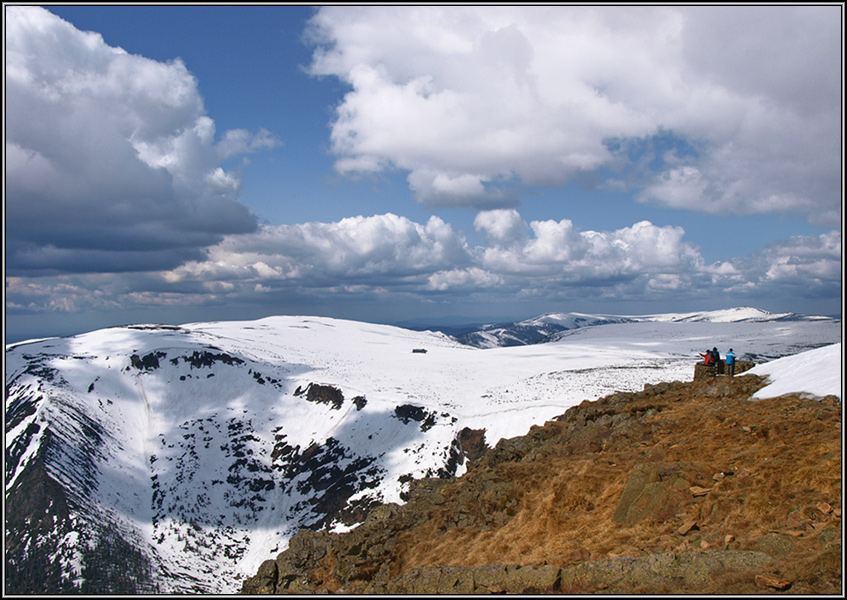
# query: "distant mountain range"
[546,327]
[176,459]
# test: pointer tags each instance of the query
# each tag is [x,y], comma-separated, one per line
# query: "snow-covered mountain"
[535,330]
[544,328]
[177,459]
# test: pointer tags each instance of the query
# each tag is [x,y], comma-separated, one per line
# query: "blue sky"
[180,163]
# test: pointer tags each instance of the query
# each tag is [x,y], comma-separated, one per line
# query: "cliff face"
[681,488]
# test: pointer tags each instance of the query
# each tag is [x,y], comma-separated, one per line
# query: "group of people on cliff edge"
[713,358]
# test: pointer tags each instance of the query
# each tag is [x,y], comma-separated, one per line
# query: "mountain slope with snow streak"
[177,459]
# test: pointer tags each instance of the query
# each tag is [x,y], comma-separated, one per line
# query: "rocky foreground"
[681,488]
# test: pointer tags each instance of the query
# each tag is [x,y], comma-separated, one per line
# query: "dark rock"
[264,582]
[702,371]
[434,580]
[410,412]
[532,580]
[323,394]
[658,572]
[199,360]
[148,362]
[490,579]
[292,567]
[650,574]
[472,443]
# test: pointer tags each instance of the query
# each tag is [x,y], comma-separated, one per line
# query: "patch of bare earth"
[681,488]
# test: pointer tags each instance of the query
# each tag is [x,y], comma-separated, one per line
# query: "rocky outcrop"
[678,572]
[322,394]
[681,488]
[654,492]
[472,442]
[654,573]
[702,371]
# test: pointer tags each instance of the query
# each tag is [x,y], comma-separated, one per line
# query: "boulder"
[654,492]
[264,581]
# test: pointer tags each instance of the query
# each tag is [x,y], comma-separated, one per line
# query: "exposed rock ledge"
[655,573]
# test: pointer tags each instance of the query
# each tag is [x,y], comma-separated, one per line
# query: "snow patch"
[816,373]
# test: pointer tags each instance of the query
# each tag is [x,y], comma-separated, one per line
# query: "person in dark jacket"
[716,359]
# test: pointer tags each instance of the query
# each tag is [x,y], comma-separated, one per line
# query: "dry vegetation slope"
[684,487]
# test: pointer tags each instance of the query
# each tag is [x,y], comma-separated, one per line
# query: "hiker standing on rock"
[730,363]
[716,359]
[707,357]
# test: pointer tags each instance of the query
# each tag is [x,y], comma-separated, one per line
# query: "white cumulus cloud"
[382,248]
[744,103]
[393,258]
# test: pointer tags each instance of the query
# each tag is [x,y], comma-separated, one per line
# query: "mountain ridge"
[161,458]
[546,328]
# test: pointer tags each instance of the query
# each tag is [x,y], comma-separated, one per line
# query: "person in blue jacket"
[730,363]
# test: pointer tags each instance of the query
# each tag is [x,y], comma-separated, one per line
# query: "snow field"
[184,446]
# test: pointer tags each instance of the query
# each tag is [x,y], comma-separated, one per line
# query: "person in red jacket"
[707,357]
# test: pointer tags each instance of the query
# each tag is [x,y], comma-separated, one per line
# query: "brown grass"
[770,466]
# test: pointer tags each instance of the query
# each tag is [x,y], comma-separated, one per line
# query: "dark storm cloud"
[111,162]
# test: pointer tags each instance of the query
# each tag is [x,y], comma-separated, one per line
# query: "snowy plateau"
[174,459]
